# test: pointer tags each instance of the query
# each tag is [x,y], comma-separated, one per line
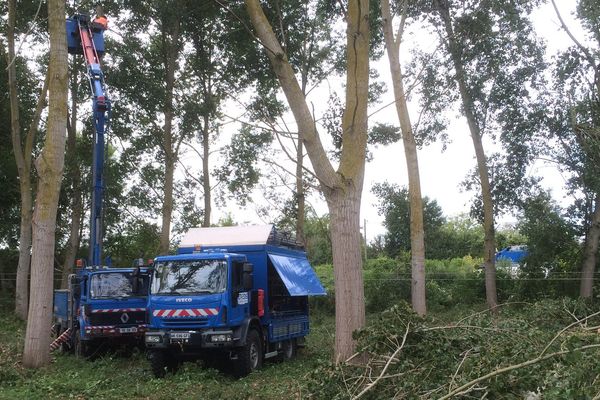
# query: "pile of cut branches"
[547,349]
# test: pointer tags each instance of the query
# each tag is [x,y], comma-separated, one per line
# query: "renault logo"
[124,318]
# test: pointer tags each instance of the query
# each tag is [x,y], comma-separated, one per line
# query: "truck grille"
[118,318]
[171,322]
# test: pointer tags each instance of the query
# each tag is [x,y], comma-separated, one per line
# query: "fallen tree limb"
[370,385]
[513,367]
[578,322]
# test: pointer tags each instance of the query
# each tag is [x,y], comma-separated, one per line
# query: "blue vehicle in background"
[231,294]
[513,257]
[101,308]
[515,254]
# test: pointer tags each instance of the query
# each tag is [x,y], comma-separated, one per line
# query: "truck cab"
[233,294]
[101,306]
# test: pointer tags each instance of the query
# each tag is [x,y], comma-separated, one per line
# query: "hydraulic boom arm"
[86,37]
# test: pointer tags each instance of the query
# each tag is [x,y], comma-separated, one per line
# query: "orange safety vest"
[102,21]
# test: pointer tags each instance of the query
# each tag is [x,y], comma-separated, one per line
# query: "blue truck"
[101,305]
[236,295]
[101,308]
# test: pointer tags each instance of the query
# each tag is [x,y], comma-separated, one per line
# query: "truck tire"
[80,348]
[250,356]
[161,362]
[288,349]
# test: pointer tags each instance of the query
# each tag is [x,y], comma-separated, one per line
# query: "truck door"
[239,298]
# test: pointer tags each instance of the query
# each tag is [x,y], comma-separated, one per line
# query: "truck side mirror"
[247,278]
[135,287]
[247,281]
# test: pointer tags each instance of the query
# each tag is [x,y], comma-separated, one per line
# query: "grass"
[114,377]
[520,331]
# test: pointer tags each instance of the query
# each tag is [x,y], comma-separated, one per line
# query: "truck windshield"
[114,284]
[189,277]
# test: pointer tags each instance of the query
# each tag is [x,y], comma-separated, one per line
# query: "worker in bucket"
[101,22]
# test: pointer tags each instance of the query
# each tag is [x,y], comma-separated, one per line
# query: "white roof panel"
[227,236]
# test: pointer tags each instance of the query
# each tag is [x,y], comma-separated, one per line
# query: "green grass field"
[434,359]
[115,377]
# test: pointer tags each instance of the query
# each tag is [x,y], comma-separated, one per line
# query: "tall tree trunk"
[486,192]
[300,195]
[170,63]
[344,209]
[167,209]
[417,232]
[206,172]
[49,166]
[76,200]
[590,253]
[23,155]
[342,188]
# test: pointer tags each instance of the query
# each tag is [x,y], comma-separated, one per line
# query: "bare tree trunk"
[170,63]
[22,280]
[206,172]
[23,154]
[300,195]
[342,188]
[167,209]
[344,208]
[489,260]
[49,166]
[417,232]
[76,201]
[590,253]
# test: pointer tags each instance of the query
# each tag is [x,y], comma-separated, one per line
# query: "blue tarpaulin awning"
[297,276]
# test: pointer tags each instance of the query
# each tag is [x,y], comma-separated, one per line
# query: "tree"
[9,198]
[575,123]
[73,176]
[457,237]
[496,61]
[219,43]
[342,187]
[394,205]
[23,150]
[147,73]
[550,237]
[49,166]
[417,233]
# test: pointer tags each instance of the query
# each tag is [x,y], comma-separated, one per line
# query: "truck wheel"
[250,356]
[161,362]
[288,349]
[80,348]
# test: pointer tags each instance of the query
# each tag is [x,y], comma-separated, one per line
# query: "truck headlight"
[153,339]
[220,338]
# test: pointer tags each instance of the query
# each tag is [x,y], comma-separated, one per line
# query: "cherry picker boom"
[101,305]
[86,37]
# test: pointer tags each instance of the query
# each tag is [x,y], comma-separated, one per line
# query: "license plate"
[180,335]
[128,330]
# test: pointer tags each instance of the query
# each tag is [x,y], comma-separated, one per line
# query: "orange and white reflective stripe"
[186,312]
[114,310]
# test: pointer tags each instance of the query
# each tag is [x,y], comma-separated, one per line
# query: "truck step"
[271,354]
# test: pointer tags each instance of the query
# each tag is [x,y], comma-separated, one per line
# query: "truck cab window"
[190,277]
